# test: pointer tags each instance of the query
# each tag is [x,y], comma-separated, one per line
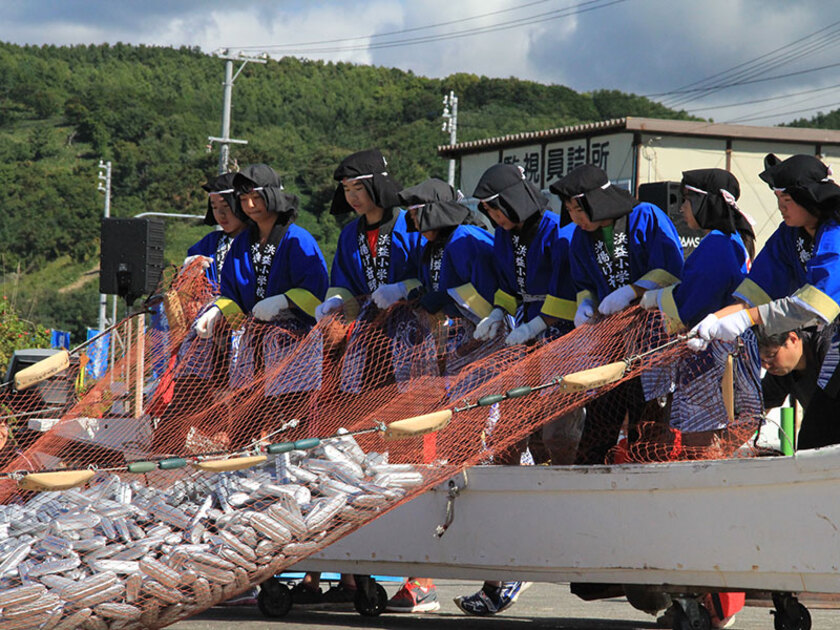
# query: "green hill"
[149,110]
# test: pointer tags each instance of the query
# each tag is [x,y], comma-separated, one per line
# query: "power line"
[746,76]
[773,78]
[578,8]
[724,73]
[834,105]
[399,32]
[771,98]
[773,110]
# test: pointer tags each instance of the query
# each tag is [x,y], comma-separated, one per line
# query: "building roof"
[646,125]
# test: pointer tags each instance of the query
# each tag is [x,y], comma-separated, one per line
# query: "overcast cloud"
[647,47]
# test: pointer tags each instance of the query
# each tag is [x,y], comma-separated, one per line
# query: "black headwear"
[426,192]
[807,180]
[440,215]
[505,186]
[370,168]
[223,185]
[597,196]
[712,193]
[266,182]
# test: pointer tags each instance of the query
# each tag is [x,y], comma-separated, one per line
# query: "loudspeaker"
[666,196]
[131,257]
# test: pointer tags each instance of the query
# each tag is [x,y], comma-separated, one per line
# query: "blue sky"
[774,58]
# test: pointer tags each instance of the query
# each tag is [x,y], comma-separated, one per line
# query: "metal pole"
[225,140]
[105,176]
[450,124]
[224,153]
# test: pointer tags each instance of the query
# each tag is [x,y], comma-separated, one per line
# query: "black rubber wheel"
[794,617]
[274,599]
[368,608]
[682,622]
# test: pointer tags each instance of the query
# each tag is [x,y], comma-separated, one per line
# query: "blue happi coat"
[298,270]
[711,273]
[466,276]
[347,277]
[547,270]
[207,247]
[655,255]
[780,270]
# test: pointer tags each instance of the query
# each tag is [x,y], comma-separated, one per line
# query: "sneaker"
[339,596]
[413,598]
[302,595]
[491,599]
[509,592]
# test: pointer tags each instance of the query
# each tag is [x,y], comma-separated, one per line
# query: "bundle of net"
[266,443]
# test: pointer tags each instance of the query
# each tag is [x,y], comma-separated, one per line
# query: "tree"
[17,333]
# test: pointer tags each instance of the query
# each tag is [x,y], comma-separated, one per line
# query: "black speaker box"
[131,257]
[666,196]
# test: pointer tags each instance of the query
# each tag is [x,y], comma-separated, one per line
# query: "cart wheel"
[794,617]
[274,599]
[371,608]
[703,620]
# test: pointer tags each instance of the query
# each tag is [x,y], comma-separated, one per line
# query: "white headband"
[227,191]
[491,198]
[368,176]
[583,194]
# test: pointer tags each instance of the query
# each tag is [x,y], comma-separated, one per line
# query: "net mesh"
[154,536]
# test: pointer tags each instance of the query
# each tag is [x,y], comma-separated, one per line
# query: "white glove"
[701,333]
[206,261]
[203,326]
[489,326]
[330,305]
[585,311]
[618,300]
[650,299]
[267,309]
[729,327]
[525,332]
[389,294]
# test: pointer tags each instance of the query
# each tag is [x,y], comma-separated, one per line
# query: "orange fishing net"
[162,528]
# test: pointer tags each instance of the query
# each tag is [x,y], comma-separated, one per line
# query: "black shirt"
[800,384]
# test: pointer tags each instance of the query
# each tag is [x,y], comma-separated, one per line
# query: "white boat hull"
[768,523]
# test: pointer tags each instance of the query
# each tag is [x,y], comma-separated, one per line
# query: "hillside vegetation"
[150,110]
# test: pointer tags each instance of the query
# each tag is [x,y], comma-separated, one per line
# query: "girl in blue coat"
[795,279]
[275,272]
[376,265]
[224,210]
[712,272]
[376,256]
[531,257]
[620,249]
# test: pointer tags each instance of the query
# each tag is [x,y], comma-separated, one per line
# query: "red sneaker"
[413,598]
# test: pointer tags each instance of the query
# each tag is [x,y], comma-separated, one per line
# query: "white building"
[636,151]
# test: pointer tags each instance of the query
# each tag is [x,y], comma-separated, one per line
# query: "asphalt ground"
[541,607]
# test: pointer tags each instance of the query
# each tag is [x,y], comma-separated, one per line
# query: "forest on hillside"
[149,110]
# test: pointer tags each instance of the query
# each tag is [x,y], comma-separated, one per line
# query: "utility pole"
[450,124]
[104,186]
[225,140]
